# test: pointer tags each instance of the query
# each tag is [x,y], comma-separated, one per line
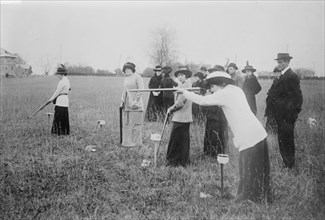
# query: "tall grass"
[49,177]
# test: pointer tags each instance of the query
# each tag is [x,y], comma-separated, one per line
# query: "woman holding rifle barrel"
[178,152]
[60,98]
[249,135]
[132,104]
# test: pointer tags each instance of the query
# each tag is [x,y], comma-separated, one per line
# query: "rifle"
[121,122]
[40,108]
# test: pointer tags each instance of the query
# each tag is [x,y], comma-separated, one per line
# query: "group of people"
[227,100]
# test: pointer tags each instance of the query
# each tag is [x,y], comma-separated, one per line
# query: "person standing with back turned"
[60,98]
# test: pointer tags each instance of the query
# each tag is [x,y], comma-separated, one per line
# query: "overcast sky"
[104,35]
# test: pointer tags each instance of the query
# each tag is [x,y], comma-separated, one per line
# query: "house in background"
[13,65]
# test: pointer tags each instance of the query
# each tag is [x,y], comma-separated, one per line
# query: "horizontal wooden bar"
[165,89]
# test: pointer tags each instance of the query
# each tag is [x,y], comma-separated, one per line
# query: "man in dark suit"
[286,99]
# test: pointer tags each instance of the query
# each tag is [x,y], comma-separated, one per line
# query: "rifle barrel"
[165,89]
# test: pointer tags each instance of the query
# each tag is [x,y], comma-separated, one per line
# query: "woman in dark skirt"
[60,98]
[178,152]
[254,164]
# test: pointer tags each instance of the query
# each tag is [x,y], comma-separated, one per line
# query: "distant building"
[13,65]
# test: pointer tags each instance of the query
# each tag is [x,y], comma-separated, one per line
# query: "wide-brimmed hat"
[200,75]
[203,68]
[167,69]
[232,65]
[130,66]
[248,67]
[218,78]
[157,68]
[62,70]
[216,68]
[283,56]
[184,70]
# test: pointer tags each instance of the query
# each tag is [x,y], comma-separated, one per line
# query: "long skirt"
[132,129]
[254,174]
[155,109]
[178,152]
[215,137]
[60,125]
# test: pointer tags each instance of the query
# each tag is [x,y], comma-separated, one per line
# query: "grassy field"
[47,177]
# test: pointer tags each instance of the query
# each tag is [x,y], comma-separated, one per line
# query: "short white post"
[222,159]
[156,139]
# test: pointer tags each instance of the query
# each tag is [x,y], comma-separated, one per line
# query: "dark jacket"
[285,97]
[269,109]
[168,96]
[155,103]
[202,84]
[251,87]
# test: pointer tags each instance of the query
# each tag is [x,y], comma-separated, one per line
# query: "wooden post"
[156,139]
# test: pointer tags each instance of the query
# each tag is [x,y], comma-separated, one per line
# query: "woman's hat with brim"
[249,67]
[232,65]
[184,70]
[219,77]
[216,68]
[200,75]
[130,66]
[283,56]
[62,70]
[167,69]
[157,68]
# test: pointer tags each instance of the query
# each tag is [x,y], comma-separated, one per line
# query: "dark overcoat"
[168,96]
[285,97]
[155,103]
[251,87]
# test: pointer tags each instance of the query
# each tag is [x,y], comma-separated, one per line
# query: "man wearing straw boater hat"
[155,102]
[254,166]
[251,86]
[286,97]
[60,98]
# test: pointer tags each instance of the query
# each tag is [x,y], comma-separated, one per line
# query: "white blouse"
[247,129]
[63,87]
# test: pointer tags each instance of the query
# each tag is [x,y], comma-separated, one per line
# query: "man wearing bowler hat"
[286,98]
[204,70]
[232,71]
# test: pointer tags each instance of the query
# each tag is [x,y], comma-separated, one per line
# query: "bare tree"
[47,65]
[163,48]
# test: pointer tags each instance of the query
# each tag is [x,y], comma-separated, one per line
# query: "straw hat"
[219,77]
[130,66]
[184,70]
